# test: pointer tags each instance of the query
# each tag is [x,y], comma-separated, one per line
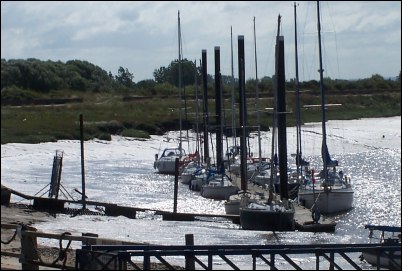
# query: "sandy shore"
[16,214]
[21,213]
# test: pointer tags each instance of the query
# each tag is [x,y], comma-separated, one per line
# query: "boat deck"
[303,217]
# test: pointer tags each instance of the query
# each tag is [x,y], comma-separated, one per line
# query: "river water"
[121,171]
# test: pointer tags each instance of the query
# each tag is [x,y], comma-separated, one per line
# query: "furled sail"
[325,155]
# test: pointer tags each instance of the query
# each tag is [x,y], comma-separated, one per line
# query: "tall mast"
[298,120]
[281,108]
[257,110]
[196,110]
[233,97]
[324,133]
[275,121]
[180,86]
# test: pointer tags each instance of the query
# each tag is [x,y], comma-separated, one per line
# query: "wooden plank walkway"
[303,219]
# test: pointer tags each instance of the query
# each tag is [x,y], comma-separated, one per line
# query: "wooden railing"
[108,254]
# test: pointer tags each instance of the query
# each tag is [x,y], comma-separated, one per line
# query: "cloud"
[143,35]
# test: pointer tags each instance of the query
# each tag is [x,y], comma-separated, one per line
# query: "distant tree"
[227,80]
[171,73]
[160,75]
[148,84]
[266,84]
[44,76]
[10,74]
[124,77]
[378,82]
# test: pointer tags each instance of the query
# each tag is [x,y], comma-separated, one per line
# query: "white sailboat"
[329,191]
[166,162]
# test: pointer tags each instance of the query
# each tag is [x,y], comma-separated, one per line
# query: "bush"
[16,96]
[135,133]
[104,136]
[112,127]
[149,128]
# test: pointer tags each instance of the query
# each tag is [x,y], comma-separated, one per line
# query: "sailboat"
[199,177]
[166,162]
[328,191]
[195,167]
[243,198]
[218,185]
[274,214]
[295,176]
[389,236]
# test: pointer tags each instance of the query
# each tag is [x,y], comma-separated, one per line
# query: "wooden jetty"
[174,216]
[303,219]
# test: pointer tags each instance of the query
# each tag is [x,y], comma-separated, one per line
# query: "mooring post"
[82,161]
[176,184]
[190,263]
[28,248]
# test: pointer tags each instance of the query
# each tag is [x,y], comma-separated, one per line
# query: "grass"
[107,114]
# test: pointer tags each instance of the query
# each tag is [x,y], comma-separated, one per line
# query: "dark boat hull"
[266,220]
[388,260]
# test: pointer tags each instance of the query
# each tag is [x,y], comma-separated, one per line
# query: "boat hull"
[196,183]
[267,220]
[218,192]
[232,206]
[186,178]
[166,163]
[328,202]
[391,261]
[166,166]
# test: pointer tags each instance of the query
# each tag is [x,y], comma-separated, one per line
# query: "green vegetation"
[42,101]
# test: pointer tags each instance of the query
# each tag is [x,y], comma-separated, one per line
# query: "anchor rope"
[11,239]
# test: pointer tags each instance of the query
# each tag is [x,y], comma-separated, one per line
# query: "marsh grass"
[106,114]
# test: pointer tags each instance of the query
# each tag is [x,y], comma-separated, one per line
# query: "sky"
[359,38]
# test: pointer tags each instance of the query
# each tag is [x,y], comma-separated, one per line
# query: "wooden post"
[190,263]
[82,161]
[205,100]
[218,111]
[87,242]
[5,196]
[176,184]
[28,249]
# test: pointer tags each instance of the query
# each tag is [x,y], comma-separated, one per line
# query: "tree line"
[36,77]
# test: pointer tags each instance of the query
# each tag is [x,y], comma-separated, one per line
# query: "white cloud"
[142,35]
